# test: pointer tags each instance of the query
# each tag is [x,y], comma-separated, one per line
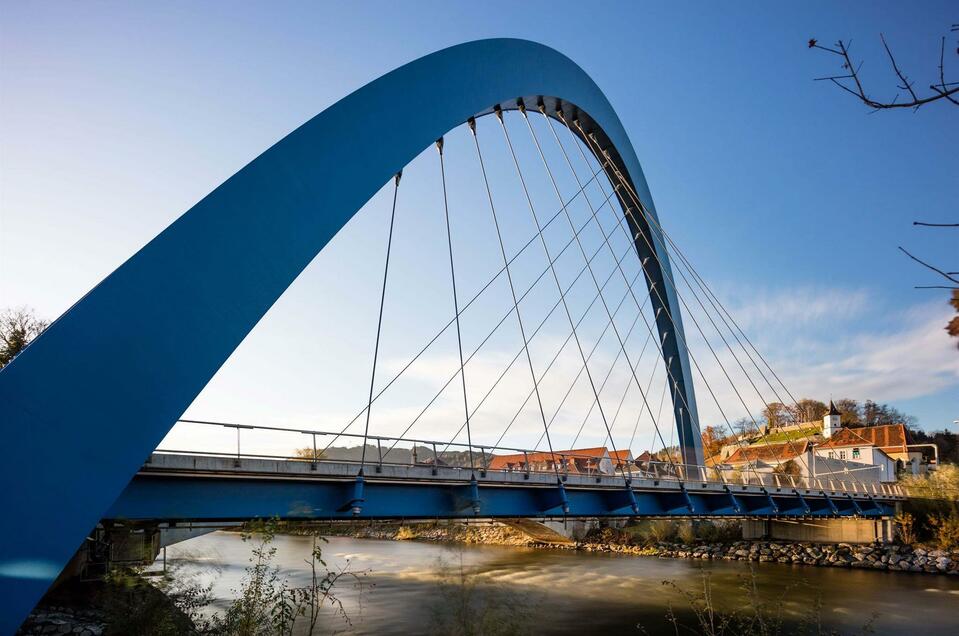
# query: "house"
[891,439]
[770,455]
[581,460]
[850,445]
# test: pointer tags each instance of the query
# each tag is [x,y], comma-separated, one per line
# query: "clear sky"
[788,196]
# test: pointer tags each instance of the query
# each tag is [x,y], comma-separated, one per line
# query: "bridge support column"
[846,530]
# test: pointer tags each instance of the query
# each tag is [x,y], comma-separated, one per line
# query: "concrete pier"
[844,530]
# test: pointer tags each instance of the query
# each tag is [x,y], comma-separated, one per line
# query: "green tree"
[777,414]
[713,440]
[849,411]
[18,327]
[809,410]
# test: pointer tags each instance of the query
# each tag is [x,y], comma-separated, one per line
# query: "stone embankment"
[64,620]
[485,534]
[891,557]
[896,558]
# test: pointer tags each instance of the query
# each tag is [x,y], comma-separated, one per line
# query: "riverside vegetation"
[132,601]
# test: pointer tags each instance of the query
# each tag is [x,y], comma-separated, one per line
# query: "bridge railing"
[242,441]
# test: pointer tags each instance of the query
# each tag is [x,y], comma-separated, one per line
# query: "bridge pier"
[843,530]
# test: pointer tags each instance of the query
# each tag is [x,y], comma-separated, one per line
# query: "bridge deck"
[192,487]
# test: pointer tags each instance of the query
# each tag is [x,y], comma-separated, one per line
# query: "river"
[411,587]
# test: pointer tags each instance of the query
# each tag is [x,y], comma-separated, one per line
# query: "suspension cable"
[622,399]
[622,344]
[569,315]
[467,305]
[562,348]
[654,288]
[512,290]
[590,141]
[456,307]
[379,320]
[519,353]
[589,357]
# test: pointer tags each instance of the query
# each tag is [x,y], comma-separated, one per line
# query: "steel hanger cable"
[379,321]
[456,307]
[512,290]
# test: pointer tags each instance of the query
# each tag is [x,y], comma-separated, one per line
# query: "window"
[832,455]
[855,453]
[842,454]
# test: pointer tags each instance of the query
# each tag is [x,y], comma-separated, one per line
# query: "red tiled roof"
[598,451]
[891,437]
[767,452]
[500,462]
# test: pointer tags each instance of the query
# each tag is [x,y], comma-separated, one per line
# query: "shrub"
[404,534]
[720,531]
[933,506]
[686,532]
[660,530]
[946,530]
[905,527]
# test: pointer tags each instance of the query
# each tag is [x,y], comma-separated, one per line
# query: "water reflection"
[415,587]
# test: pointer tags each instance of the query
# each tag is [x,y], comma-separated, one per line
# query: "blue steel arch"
[89,399]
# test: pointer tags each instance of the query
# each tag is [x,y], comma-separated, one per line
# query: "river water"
[411,587]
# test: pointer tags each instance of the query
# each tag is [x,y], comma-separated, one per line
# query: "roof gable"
[892,437]
[767,452]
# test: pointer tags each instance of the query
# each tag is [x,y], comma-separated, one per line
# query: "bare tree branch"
[923,223]
[942,73]
[942,91]
[932,267]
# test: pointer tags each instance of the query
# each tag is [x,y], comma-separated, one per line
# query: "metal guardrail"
[559,463]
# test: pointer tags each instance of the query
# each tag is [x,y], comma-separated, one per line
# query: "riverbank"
[889,557]
[413,587]
[130,604]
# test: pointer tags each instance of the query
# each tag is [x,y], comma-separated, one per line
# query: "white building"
[851,448]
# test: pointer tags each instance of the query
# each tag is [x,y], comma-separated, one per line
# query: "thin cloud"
[799,306]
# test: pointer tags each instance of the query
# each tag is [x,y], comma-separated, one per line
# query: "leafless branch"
[942,91]
[923,223]
[942,74]
[927,265]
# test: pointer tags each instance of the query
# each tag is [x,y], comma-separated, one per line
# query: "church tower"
[830,422]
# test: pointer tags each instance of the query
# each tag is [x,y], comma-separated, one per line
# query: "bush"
[933,506]
[946,530]
[686,532]
[266,605]
[906,527]
[720,531]
[405,534]
[660,530]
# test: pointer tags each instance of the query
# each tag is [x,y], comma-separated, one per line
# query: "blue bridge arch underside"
[95,394]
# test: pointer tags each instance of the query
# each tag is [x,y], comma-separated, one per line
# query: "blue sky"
[788,196]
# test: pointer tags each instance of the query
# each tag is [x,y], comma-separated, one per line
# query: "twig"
[932,267]
[942,91]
